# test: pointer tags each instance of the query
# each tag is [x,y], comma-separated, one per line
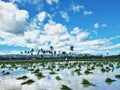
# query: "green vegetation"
[58,78]
[88,72]
[109,80]
[30,81]
[23,77]
[64,87]
[5,73]
[117,76]
[39,75]
[52,72]
[85,81]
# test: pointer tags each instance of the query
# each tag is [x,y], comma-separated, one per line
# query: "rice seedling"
[23,77]
[39,75]
[88,72]
[109,80]
[52,72]
[6,73]
[36,71]
[64,87]
[58,78]
[78,71]
[85,81]
[117,76]
[30,81]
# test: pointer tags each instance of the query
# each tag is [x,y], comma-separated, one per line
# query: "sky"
[91,26]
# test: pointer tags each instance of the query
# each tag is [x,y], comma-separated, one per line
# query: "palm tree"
[51,49]
[72,49]
[31,51]
[107,54]
[21,53]
[38,52]
[25,52]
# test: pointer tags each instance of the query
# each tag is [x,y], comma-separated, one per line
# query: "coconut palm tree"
[51,49]
[31,51]
[21,53]
[72,49]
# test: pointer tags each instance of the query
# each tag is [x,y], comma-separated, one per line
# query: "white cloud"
[42,35]
[78,34]
[77,8]
[96,25]
[43,15]
[88,12]
[104,25]
[52,1]
[65,15]
[13,20]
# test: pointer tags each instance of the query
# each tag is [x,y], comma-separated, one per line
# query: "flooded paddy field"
[69,75]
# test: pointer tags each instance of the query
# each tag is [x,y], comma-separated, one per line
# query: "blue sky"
[91,26]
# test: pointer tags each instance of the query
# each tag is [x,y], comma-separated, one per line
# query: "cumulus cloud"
[13,20]
[77,8]
[88,12]
[31,2]
[52,1]
[104,25]
[65,15]
[41,35]
[43,15]
[97,25]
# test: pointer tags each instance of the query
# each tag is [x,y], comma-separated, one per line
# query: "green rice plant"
[39,75]
[30,81]
[64,87]
[85,81]
[117,76]
[109,80]
[6,73]
[23,77]
[103,70]
[78,71]
[36,71]
[88,72]
[58,78]
[3,71]
[52,72]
